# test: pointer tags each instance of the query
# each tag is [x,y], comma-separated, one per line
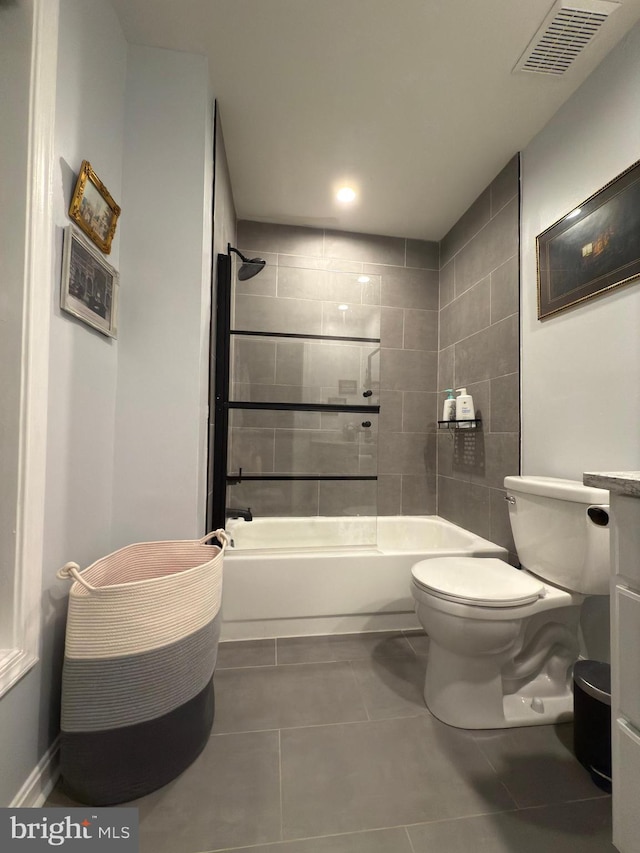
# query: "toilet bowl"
[503,640]
[485,668]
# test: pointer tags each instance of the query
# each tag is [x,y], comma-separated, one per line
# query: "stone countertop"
[618,482]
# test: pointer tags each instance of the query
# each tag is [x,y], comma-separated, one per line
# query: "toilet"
[503,641]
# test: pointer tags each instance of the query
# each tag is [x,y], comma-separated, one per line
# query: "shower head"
[250,266]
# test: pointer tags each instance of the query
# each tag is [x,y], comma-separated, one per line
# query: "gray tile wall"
[309,272]
[479,350]
[448,317]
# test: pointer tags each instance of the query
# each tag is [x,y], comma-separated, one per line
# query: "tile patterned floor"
[324,745]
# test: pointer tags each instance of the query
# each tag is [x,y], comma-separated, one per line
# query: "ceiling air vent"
[565,32]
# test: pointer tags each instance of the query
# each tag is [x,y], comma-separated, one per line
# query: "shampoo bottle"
[449,408]
[464,408]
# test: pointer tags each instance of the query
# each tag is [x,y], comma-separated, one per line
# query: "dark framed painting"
[593,249]
[89,287]
[93,209]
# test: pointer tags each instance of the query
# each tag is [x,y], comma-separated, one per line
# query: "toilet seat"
[476,582]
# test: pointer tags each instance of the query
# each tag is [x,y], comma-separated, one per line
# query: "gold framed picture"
[93,208]
[89,286]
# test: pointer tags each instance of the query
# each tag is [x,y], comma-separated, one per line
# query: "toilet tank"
[557,536]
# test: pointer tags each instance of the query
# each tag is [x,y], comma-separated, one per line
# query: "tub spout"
[237,512]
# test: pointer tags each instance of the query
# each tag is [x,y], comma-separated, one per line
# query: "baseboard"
[313,625]
[41,780]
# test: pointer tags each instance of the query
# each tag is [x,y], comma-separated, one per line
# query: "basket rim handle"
[221,535]
[72,570]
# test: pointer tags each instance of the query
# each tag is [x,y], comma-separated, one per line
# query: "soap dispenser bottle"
[449,408]
[464,408]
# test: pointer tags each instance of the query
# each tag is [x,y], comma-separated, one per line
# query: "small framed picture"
[89,288]
[93,209]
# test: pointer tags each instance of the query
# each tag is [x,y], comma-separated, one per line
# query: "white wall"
[160,463]
[83,366]
[89,123]
[127,419]
[581,368]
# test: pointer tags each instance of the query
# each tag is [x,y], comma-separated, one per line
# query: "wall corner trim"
[38,275]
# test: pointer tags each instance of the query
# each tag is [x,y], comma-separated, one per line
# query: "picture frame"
[90,286]
[93,209]
[595,248]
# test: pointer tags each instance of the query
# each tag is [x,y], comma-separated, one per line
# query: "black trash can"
[592,719]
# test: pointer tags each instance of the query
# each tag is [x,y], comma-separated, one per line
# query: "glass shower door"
[303,404]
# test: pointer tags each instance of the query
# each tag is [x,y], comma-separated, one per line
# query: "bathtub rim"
[475,546]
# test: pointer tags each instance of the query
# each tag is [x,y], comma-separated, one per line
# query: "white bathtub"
[277,582]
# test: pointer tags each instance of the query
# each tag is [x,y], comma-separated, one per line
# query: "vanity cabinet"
[624,491]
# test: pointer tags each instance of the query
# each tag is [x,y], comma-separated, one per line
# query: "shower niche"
[297,392]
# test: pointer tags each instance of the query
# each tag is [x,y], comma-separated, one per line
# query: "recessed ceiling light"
[346,194]
[343,307]
[363,279]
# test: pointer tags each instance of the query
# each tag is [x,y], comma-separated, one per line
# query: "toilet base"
[518,711]
[468,693]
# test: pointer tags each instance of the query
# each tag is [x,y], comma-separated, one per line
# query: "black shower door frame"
[221,477]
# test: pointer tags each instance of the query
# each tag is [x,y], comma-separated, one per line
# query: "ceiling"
[412,102]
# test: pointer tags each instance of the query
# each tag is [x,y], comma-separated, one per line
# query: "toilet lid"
[477,581]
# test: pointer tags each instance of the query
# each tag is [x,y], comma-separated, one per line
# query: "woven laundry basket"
[141,646]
